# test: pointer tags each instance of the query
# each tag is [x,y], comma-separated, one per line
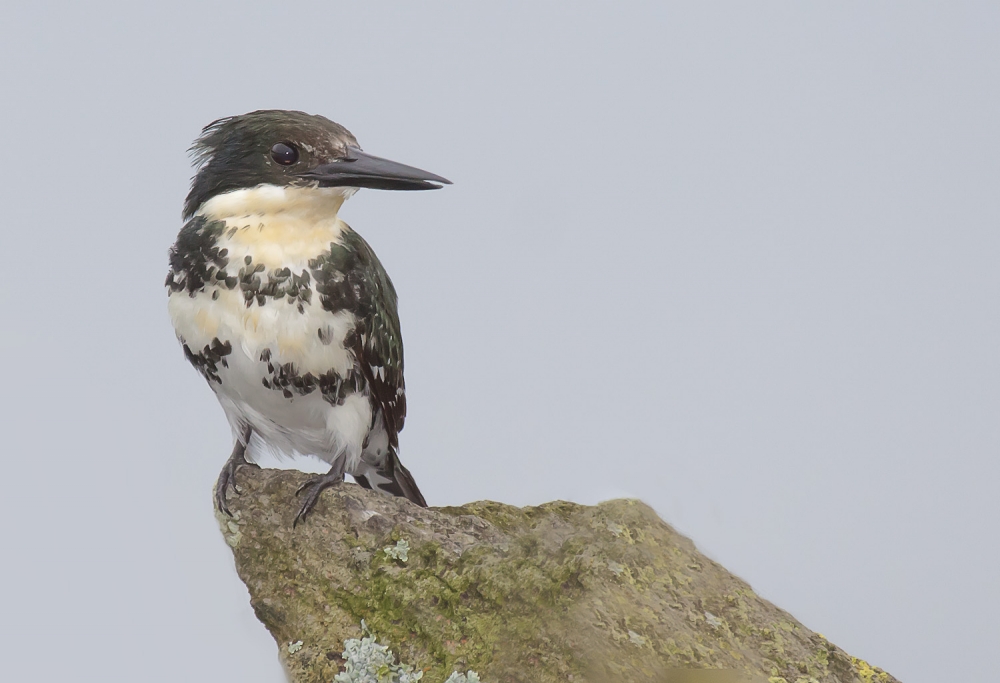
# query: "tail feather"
[392,478]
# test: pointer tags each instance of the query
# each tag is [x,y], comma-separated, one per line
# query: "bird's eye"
[284,153]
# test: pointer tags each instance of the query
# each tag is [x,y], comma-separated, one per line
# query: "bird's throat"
[304,203]
[278,226]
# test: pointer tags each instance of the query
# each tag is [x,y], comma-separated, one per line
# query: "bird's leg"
[227,477]
[315,486]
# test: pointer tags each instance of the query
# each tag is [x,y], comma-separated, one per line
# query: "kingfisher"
[284,309]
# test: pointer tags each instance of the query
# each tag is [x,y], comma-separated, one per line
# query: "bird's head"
[290,149]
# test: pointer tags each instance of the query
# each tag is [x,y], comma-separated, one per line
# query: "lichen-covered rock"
[559,592]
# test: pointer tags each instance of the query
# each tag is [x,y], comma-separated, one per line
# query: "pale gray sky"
[738,261]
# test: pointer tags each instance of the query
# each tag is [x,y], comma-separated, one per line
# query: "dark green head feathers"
[277,147]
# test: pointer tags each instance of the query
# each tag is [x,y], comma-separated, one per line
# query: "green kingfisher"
[284,309]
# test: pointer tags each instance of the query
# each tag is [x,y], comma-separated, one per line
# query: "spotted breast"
[291,318]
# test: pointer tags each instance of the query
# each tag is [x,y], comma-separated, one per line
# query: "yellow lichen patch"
[868,673]
[621,531]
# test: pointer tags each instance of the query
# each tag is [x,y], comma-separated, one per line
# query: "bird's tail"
[393,478]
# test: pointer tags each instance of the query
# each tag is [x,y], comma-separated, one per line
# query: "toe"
[220,503]
[308,484]
[301,515]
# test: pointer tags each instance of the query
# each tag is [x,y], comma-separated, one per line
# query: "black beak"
[359,169]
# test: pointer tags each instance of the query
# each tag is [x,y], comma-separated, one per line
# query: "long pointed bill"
[359,169]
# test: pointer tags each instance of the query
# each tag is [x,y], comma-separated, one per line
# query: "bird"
[284,309]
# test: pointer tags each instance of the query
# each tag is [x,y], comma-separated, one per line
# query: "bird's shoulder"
[349,276]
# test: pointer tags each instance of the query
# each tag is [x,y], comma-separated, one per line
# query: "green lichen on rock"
[551,593]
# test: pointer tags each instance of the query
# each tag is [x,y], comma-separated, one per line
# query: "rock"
[558,592]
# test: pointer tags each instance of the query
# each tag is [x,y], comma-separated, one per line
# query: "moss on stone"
[551,593]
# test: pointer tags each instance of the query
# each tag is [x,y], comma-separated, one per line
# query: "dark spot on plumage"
[257,284]
[265,355]
[221,348]
[215,295]
[332,387]
[207,360]
[351,338]
[195,258]
[301,309]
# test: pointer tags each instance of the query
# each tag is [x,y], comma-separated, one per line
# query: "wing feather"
[350,277]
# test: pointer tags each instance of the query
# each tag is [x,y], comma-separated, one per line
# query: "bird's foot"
[227,477]
[315,486]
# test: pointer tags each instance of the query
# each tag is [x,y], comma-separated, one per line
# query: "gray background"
[740,262]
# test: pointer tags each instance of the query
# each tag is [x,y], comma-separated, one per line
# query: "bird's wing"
[350,277]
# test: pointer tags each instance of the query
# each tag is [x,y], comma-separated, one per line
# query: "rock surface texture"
[559,592]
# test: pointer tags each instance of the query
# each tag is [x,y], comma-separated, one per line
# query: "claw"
[220,503]
[227,477]
[315,486]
